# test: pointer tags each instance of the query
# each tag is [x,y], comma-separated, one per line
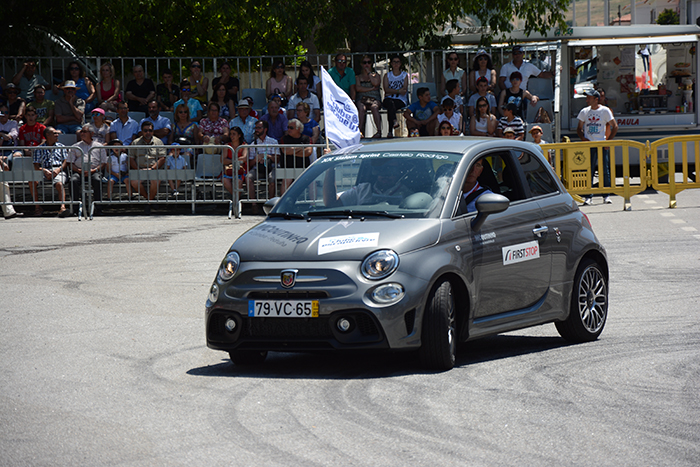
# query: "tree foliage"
[668,16]
[258,27]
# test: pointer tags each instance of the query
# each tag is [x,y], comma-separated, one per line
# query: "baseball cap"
[593,93]
[517,48]
[536,127]
[508,130]
[98,110]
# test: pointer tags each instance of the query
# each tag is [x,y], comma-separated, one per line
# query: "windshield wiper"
[287,215]
[353,213]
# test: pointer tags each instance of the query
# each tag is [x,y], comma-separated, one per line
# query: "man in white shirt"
[597,123]
[93,171]
[304,95]
[261,160]
[526,69]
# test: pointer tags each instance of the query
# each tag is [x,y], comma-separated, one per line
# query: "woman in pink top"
[279,83]
[108,89]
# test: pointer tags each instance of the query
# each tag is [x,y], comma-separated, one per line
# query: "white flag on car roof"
[339,113]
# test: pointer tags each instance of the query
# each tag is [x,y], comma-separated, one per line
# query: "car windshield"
[390,185]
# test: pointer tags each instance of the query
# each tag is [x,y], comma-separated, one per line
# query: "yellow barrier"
[572,163]
[663,164]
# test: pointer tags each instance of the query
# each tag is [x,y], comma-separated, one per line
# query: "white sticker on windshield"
[521,252]
[347,242]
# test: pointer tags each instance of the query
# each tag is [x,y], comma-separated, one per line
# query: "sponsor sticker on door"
[521,252]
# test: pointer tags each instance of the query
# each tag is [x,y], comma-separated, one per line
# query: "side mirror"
[488,203]
[269,204]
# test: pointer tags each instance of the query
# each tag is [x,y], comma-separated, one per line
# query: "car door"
[512,272]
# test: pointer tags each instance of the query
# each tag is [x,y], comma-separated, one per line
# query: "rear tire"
[589,305]
[247,357]
[439,337]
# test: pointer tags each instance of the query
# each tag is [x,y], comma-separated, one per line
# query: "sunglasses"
[147,130]
[366,62]
[280,66]
[182,112]
[195,66]
[483,105]
[74,68]
[453,59]
[340,61]
[185,89]
[291,127]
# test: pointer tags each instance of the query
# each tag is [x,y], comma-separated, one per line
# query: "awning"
[635,40]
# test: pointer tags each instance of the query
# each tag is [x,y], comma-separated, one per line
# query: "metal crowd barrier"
[23,174]
[200,182]
[259,189]
[663,165]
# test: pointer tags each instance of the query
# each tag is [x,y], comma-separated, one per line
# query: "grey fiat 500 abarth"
[411,245]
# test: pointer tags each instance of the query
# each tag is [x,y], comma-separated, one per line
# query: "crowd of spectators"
[204,113]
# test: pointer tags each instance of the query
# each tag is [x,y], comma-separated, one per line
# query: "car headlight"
[380,264]
[229,266]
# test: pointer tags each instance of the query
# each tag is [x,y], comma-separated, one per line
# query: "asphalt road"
[104,362]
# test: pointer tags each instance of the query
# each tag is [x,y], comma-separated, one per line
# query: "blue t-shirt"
[422,113]
[192,104]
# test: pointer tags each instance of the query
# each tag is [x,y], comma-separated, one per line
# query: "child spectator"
[118,168]
[510,120]
[452,89]
[450,115]
[176,161]
[516,95]
[32,132]
[422,115]
[44,107]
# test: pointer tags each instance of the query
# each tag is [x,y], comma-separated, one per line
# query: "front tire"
[439,337]
[247,357]
[589,305]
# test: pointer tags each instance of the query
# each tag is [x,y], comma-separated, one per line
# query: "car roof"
[453,144]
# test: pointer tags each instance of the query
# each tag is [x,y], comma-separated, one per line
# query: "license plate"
[283,308]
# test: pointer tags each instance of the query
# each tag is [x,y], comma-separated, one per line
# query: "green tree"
[668,16]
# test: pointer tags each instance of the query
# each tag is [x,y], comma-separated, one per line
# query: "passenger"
[70,109]
[230,82]
[45,109]
[139,91]
[510,120]
[450,115]
[193,105]
[388,187]
[118,168]
[297,157]
[28,79]
[277,122]
[526,69]
[484,123]
[78,161]
[395,83]
[311,127]
[367,85]
[108,89]
[86,90]
[199,83]
[422,115]
[453,71]
[167,92]
[124,127]
[213,127]
[482,68]
[227,109]
[183,127]
[305,95]
[471,190]
[279,83]
[482,91]
[161,125]
[343,76]
[516,95]
[147,159]
[244,121]
[176,160]
[314,82]
[452,88]
[51,158]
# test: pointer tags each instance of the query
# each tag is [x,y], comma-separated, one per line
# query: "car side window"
[506,175]
[538,177]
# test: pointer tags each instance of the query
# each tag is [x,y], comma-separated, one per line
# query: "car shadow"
[369,365]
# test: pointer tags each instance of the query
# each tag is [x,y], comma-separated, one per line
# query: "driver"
[388,187]
[471,190]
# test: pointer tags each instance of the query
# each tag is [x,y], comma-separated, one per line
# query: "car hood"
[321,239]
